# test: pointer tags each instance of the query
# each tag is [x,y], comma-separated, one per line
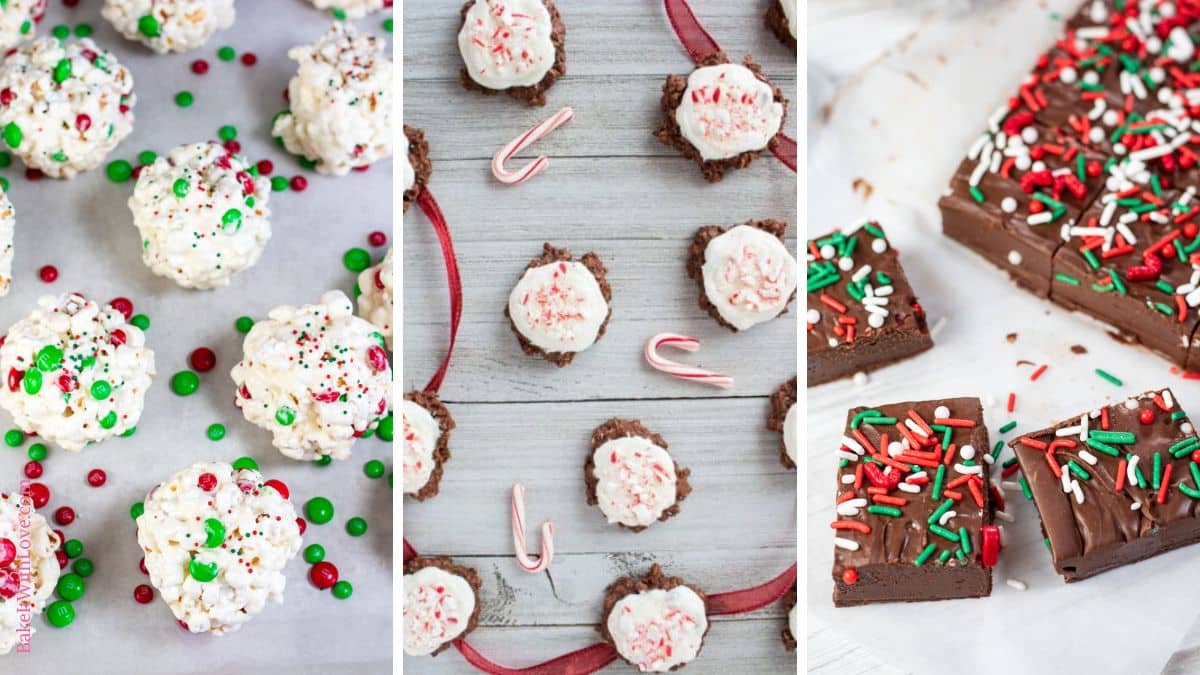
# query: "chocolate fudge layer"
[1115,485]
[1129,262]
[862,312]
[913,504]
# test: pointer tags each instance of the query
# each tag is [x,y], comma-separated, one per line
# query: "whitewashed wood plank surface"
[613,188]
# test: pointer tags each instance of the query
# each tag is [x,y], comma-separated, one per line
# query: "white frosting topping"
[790,429]
[316,376]
[174,25]
[341,101]
[408,177]
[726,111]
[8,225]
[28,579]
[506,43]
[635,480]
[789,11]
[203,218]
[558,307]
[216,540]
[657,630]
[354,9]
[75,372]
[749,276]
[437,608]
[421,434]
[375,296]
[18,19]
[72,103]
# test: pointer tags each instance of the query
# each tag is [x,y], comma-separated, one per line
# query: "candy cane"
[523,141]
[518,526]
[677,369]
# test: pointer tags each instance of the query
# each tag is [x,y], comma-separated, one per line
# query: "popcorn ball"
[64,105]
[341,102]
[169,25]
[17,19]
[353,9]
[216,540]
[76,372]
[203,218]
[316,376]
[375,300]
[28,568]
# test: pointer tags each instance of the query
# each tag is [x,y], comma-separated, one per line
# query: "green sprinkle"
[938,480]
[884,510]
[1067,279]
[976,194]
[965,539]
[1078,470]
[1008,427]
[941,510]
[1156,472]
[1025,489]
[925,555]
[1121,437]
[858,419]
[1178,450]
[184,99]
[1102,446]
[1109,377]
[944,533]
[945,556]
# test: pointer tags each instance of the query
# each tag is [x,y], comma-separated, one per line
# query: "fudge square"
[1115,485]
[914,510]
[862,312]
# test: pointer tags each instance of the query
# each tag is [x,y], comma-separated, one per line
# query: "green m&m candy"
[243,324]
[319,510]
[71,587]
[38,452]
[342,590]
[13,438]
[137,510]
[285,415]
[185,383]
[356,527]
[245,463]
[215,432]
[84,567]
[148,26]
[214,533]
[374,469]
[73,548]
[314,554]
[385,430]
[60,614]
[202,572]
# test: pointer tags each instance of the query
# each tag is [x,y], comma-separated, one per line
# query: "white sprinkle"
[848,544]
[895,448]
[1131,403]
[842,454]
[1186,427]
[876,320]
[853,445]
[1065,479]
[967,452]
[988,459]
[1087,457]
[1167,398]
[906,487]
[847,478]
[879,245]
[946,517]
[814,316]
[1083,428]
[1039,218]
[1008,205]
[1130,470]
[1066,431]
[1067,75]
[860,379]
[1016,583]
[962,468]
[1078,492]
[1029,134]
[1010,485]
[850,507]
[941,412]
[845,264]
[828,251]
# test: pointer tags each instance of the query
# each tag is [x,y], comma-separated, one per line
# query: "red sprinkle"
[990,535]
[302,524]
[203,359]
[33,470]
[323,575]
[1038,373]
[377,238]
[1146,416]
[850,576]
[143,594]
[97,477]
[64,516]
[48,273]
[1012,401]
[298,183]
[199,66]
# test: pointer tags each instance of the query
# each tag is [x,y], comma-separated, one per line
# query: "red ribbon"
[596,657]
[429,207]
[700,45]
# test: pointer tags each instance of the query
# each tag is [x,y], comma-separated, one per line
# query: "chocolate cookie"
[782,418]
[631,477]
[789,632]
[746,274]
[559,307]
[419,166]
[781,20]
[656,623]
[518,46]
[723,115]
[441,604]
[427,425]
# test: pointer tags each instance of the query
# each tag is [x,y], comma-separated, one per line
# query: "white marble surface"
[896,107]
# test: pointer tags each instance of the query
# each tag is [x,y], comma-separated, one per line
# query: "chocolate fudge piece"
[914,507]
[862,312]
[1129,262]
[1115,485]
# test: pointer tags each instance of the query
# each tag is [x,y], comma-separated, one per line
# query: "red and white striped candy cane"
[518,528]
[677,369]
[523,141]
